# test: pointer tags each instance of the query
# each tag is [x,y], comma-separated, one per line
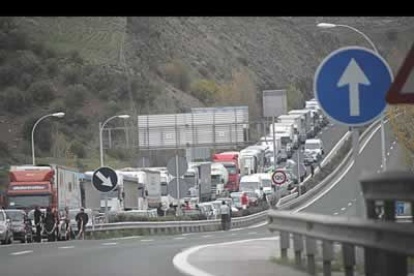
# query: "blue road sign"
[350,85]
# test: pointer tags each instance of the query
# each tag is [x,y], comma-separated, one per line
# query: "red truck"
[230,161]
[45,186]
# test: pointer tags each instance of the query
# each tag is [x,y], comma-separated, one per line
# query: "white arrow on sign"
[353,76]
[106,181]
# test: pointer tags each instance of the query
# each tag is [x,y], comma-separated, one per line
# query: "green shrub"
[52,67]
[26,79]
[8,75]
[78,149]
[14,100]
[75,96]
[71,75]
[42,92]
[176,74]
[205,90]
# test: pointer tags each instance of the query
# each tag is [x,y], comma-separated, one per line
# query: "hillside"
[98,66]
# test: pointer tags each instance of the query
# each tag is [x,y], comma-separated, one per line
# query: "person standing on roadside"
[38,215]
[225,212]
[82,219]
[50,224]
[312,170]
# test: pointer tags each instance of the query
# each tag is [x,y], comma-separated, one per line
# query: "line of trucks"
[58,186]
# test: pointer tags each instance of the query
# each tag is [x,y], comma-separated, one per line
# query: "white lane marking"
[378,171]
[236,229]
[207,236]
[354,200]
[233,234]
[181,263]
[150,240]
[336,213]
[381,166]
[21,252]
[350,204]
[343,208]
[252,233]
[360,193]
[388,153]
[126,238]
[66,247]
[180,238]
[340,177]
[258,225]
[186,234]
[392,147]
[110,243]
[394,142]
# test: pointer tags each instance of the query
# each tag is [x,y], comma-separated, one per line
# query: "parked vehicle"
[313,151]
[219,177]
[51,186]
[207,209]
[228,201]
[253,198]
[198,176]
[251,183]
[298,123]
[21,225]
[230,161]
[6,233]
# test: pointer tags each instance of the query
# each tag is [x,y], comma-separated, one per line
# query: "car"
[313,151]
[253,198]
[207,209]
[21,225]
[6,233]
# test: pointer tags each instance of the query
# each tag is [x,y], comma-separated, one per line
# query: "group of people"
[51,220]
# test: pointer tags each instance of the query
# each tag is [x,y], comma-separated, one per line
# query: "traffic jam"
[54,202]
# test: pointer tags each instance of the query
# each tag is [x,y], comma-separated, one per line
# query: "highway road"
[344,198]
[146,255]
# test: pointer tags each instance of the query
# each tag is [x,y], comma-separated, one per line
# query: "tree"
[14,100]
[78,149]
[75,96]
[295,97]
[42,92]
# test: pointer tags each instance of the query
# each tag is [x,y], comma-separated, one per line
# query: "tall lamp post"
[329,26]
[57,115]
[101,127]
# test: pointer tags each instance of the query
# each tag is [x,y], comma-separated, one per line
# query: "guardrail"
[387,244]
[174,227]
[297,201]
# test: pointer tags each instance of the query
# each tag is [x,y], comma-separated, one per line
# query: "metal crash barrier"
[386,243]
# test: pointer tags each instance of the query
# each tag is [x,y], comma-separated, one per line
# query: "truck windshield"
[15,215]
[231,168]
[285,140]
[29,201]
[249,186]
[266,182]
[312,146]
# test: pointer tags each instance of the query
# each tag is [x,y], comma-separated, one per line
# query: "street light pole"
[101,127]
[330,25]
[57,115]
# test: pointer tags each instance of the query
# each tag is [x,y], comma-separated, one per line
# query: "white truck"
[198,176]
[219,177]
[298,124]
[251,160]
[267,141]
[307,121]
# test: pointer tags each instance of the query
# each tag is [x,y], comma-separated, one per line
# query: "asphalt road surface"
[146,255]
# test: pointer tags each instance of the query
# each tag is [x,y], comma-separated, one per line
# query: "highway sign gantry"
[279,177]
[104,179]
[350,85]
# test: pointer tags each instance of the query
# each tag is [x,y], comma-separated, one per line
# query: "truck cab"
[230,161]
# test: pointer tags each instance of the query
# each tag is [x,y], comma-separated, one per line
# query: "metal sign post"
[178,186]
[299,192]
[274,143]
